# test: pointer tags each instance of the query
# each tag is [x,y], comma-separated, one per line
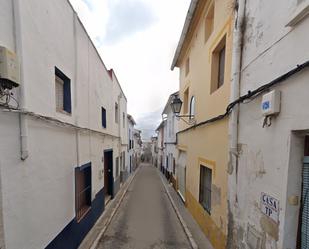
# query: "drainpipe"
[22,95]
[234,118]
[119,132]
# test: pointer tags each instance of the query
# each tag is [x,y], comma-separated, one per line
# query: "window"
[192,107]
[123,120]
[116,113]
[117,166]
[174,166]
[185,101]
[218,66]
[124,160]
[205,188]
[209,22]
[62,92]
[103,117]
[187,66]
[82,191]
[221,67]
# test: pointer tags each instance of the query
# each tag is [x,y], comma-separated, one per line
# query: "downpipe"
[234,117]
[23,121]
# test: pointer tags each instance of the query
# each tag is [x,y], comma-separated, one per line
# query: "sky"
[138,39]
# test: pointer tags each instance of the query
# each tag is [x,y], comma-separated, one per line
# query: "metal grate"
[305,206]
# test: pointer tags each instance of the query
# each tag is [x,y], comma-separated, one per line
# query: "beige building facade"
[204,59]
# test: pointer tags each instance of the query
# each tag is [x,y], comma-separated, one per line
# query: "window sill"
[301,12]
[64,112]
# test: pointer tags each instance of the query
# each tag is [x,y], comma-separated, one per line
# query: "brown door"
[108,173]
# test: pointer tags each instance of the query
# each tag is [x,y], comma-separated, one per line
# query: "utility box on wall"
[271,103]
[9,69]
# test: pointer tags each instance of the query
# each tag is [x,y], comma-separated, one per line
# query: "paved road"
[146,218]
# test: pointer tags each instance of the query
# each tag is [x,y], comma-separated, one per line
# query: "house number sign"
[270,207]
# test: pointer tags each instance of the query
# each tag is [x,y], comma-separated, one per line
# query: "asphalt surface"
[145,218]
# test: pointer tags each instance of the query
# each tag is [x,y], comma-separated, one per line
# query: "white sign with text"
[270,207]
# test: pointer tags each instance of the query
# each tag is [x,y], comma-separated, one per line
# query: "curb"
[183,223]
[96,241]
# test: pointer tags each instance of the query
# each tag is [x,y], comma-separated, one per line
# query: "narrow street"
[146,218]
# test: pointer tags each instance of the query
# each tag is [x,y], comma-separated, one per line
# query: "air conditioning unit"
[9,69]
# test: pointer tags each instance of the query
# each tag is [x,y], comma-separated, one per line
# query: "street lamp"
[176,105]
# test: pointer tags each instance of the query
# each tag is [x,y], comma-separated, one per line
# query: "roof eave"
[184,33]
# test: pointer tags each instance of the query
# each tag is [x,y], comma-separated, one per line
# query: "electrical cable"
[52,120]
[251,95]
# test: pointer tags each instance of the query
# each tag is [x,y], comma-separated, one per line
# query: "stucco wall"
[207,145]
[270,159]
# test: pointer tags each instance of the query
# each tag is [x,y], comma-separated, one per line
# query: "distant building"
[161,146]
[131,129]
[154,151]
[170,150]
[137,148]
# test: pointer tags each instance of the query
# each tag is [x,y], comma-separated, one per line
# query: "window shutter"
[59,93]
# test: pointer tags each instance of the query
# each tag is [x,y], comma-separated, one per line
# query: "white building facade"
[63,149]
[170,131]
[161,146]
[268,184]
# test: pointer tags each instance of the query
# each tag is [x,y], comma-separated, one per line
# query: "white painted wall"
[270,159]
[38,194]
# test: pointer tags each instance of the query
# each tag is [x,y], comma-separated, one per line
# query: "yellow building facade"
[204,57]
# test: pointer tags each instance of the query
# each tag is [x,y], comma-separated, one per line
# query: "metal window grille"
[205,188]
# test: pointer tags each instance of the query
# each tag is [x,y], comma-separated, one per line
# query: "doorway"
[108,173]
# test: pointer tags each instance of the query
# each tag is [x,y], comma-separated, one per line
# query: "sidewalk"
[110,208]
[197,234]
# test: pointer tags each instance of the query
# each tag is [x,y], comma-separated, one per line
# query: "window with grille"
[62,92]
[205,188]
[82,191]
